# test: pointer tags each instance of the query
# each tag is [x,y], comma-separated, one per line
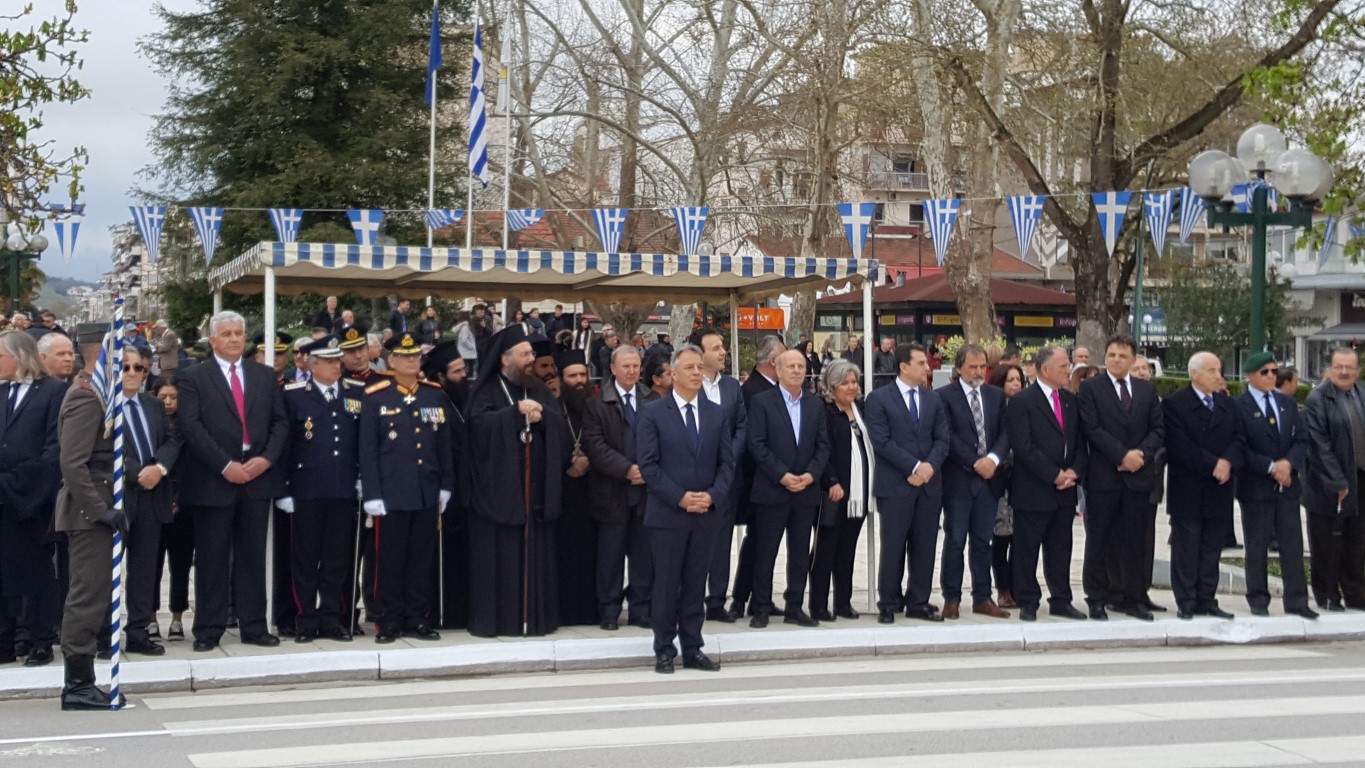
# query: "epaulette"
[377,386]
[430,383]
[354,382]
[290,387]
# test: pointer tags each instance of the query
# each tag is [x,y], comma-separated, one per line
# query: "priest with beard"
[444,366]
[520,447]
[577,537]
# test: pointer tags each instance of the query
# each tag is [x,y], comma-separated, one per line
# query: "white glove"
[359,494]
[445,499]
[375,508]
[287,504]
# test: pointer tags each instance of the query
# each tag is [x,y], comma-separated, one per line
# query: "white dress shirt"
[711,388]
[907,392]
[682,409]
[968,389]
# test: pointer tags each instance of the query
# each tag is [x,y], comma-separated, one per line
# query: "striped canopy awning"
[382,270]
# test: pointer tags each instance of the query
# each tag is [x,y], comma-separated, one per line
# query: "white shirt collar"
[788,398]
[682,404]
[1201,393]
[621,393]
[903,387]
[1047,391]
[1116,380]
[968,389]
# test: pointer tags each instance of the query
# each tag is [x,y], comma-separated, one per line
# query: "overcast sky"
[112,124]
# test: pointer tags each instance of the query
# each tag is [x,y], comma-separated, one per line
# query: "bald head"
[791,370]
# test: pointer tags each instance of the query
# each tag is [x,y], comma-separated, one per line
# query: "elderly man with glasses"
[1331,488]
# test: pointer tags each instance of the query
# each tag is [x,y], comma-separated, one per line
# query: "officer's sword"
[355,569]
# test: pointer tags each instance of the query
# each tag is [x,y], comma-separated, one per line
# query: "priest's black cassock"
[508,552]
[577,533]
[450,591]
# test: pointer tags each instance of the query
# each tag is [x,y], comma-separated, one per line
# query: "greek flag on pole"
[1025,212]
[286,222]
[1157,207]
[691,224]
[940,216]
[208,222]
[1329,241]
[1191,211]
[439,218]
[67,225]
[521,218]
[857,218]
[366,222]
[1111,208]
[478,119]
[150,219]
[610,222]
[434,59]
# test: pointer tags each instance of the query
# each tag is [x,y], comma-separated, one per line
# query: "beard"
[575,396]
[458,392]
[522,377]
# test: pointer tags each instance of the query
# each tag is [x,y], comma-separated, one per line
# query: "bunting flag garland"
[208,222]
[440,218]
[150,219]
[1157,207]
[610,223]
[478,142]
[67,226]
[691,224]
[286,222]
[940,216]
[1329,239]
[1111,208]
[1025,212]
[1191,211]
[857,218]
[522,218]
[366,223]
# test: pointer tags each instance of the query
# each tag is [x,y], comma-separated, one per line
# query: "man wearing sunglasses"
[1268,486]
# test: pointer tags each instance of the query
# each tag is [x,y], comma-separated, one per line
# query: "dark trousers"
[229,545]
[362,532]
[836,546]
[682,558]
[1196,546]
[772,521]
[139,560]
[405,543]
[1260,521]
[321,562]
[88,593]
[1000,563]
[909,528]
[1113,567]
[177,546]
[619,544]
[718,572]
[743,587]
[1050,531]
[1337,555]
[968,520]
[284,608]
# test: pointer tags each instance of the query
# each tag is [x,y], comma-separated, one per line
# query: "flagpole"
[113,382]
[505,95]
[469,190]
[431,162]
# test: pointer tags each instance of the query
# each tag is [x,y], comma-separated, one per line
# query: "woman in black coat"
[1010,378]
[848,493]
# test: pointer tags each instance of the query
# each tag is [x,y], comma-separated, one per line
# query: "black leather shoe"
[663,664]
[1335,606]
[145,648]
[203,646]
[285,630]
[336,633]
[846,612]
[1139,612]
[264,640]
[1218,613]
[822,614]
[645,623]
[610,626]
[736,609]
[759,621]
[1066,612]
[1184,615]
[1356,605]
[22,647]
[886,616]
[923,615]
[701,661]
[1155,608]
[38,657]
[800,619]
[422,632]
[1098,613]
[1260,611]
[1028,614]
[305,636]
[719,613]
[1305,612]
[384,638]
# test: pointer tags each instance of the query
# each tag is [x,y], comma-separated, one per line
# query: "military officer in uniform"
[407,478]
[322,470]
[355,365]
[355,359]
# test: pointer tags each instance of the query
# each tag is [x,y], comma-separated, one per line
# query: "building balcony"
[897,180]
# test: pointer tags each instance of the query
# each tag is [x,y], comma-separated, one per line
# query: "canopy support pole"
[218,301]
[734,365]
[869,282]
[269,343]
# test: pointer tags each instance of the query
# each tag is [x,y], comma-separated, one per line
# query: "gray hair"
[374,338]
[48,339]
[25,352]
[226,317]
[834,374]
[767,349]
[1193,364]
[624,349]
[1046,354]
[608,334]
[693,348]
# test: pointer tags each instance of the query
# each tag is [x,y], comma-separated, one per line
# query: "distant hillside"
[53,296]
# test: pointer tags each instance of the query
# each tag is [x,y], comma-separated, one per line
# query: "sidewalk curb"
[504,657]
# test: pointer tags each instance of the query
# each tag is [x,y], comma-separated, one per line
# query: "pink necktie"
[1057,409]
[239,399]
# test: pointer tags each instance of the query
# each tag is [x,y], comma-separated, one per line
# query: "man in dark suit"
[762,378]
[789,444]
[232,420]
[1204,447]
[1336,466]
[909,430]
[329,317]
[977,443]
[29,476]
[398,318]
[1044,427]
[688,463]
[1121,420]
[1268,486]
[726,392]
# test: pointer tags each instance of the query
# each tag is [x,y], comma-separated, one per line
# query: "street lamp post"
[1298,174]
[15,249]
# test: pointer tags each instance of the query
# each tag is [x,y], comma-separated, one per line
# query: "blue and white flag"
[434,59]
[440,218]
[610,222]
[1329,241]
[521,218]
[67,225]
[1357,230]
[1025,211]
[1111,208]
[940,216]
[208,222]
[857,218]
[1241,197]
[478,118]
[691,224]
[150,220]
[286,222]
[366,223]
[1157,208]
[1191,211]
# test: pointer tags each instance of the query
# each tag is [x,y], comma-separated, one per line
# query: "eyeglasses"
[139,367]
[1266,371]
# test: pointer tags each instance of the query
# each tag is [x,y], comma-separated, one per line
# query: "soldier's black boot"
[80,691]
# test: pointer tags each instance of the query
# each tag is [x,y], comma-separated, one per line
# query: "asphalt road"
[1172,707]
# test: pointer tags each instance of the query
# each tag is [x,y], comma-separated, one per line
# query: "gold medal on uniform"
[308,428]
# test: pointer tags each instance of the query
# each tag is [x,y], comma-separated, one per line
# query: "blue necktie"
[144,449]
[914,408]
[691,420]
[1208,402]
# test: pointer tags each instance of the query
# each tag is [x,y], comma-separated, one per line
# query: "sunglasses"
[140,368]
[1266,371]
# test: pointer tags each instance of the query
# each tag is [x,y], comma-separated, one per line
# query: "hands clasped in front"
[695,502]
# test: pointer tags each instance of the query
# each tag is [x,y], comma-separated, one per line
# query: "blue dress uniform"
[407,475]
[322,465]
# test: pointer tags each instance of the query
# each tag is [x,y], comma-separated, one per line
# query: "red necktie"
[239,399]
